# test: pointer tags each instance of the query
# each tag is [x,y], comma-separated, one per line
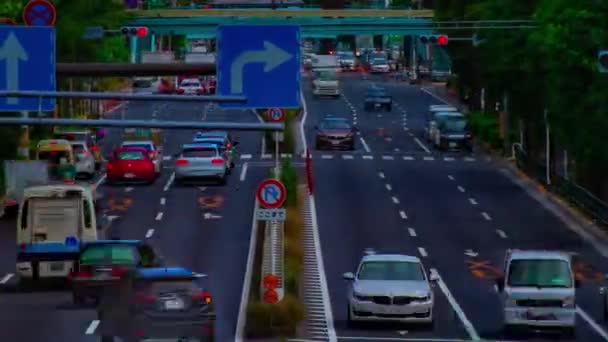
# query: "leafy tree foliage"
[552,66]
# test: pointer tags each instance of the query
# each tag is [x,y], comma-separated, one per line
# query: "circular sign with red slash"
[7,21]
[39,13]
[276,114]
[271,194]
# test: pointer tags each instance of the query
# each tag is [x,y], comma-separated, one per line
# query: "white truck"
[325,78]
[538,290]
[53,221]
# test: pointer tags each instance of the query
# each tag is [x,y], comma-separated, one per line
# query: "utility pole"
[547,148]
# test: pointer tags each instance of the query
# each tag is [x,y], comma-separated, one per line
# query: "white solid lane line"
[365,146]
[244,172]
[149,233]
[99,181]
[159,216]
[92,327]
[6,278]
[468,326]
[598,329]
[422,146]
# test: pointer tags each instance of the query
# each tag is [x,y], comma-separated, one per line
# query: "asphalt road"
[458,212]
[204,227]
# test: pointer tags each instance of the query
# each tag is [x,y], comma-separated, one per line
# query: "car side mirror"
[433,276]
[348,276]
[500,283]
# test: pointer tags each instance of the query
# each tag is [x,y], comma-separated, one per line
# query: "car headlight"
[426,298]
[568,302]
[362,297]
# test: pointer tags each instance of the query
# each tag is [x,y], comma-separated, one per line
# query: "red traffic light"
[142,31]
[442,40]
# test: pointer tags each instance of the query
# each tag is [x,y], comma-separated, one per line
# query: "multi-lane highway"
[458,212]
[171,217]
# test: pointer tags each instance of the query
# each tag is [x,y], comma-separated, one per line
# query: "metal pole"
[276,155]
[122,96]
[245,126]
[566,175]
[133,49]
[547,148]
[24,144]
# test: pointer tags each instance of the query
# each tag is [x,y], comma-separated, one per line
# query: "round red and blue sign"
[276,114]
[271,194]
[39,13]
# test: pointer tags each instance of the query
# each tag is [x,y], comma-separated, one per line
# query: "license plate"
[129,175]
[537,316]
[453,144]
[57,266]
[377,105]
[335,142]
[388,310]
[174,304]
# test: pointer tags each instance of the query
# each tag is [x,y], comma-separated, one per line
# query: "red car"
[165,87]
[130,164]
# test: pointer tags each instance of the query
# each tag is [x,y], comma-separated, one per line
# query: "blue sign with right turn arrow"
[264,66]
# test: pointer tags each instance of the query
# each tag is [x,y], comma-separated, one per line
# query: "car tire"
[106,338]
[570,332]
[351,147]
[318,146]
[349,322]
[389,108]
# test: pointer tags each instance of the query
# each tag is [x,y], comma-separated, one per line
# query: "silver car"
[390,287]
[224,145]
[85,161]
[198,161]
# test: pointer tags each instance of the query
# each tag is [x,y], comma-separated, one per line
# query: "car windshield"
[454,125]
[148,147]
[391,270]
[53,157]
[199,152]
[379,61]
[131,155]
[540,273]
[109,254]
[158,286]
[335,124]
[190,84]
[327,76]
[375,92]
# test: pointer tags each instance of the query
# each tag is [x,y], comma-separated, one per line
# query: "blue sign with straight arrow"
[27,63]
[265,67]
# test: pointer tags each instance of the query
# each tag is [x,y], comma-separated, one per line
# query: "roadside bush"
[281,319]
[485,126]
[289,177]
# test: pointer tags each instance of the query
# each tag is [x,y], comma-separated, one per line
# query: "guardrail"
[272,256]
[266,12]
[574,193]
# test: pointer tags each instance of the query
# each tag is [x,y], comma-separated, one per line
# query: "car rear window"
[104,254]
[53,156]
[146,146]
[160,286]
[199,152]
[220,143]
[131,155]
[78,148]
[191,84]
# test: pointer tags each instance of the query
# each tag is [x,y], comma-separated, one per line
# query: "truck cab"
[538,290]
[52,222]
[325,83]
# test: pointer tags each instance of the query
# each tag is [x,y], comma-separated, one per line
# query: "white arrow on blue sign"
[265,67]
[27,63]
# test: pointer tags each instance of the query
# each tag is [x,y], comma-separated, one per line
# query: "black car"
[101,264]
[453,133]
[335,133]
[158,303]
[378,99]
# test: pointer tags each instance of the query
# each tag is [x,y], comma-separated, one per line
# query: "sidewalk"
[570,215]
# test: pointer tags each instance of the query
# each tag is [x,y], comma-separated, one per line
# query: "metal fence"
[574,193]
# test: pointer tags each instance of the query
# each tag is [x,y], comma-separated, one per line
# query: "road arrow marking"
[202,188]
[12,51]
[209,216]
[129,189]
[272,56]
[469,252]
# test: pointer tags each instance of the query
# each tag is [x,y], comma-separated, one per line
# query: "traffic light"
[439,39]
[134,31]
[602,60]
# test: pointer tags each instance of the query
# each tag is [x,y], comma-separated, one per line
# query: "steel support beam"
[122,96]
[265,13]
[254,126]
[127,69]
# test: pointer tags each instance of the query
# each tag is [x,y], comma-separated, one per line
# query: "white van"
[538,290]
[53,220]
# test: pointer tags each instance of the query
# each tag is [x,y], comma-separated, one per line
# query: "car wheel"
[351,147]
[105,338]
[91,175]
[318,146]
[223,180]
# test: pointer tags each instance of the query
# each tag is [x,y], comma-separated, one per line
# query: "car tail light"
[181,162]
[203,297]
[152,154]
[200,90]
[180,91]
[144,298]
[140,333]
[217,161]
[119,271]
[83,272]
[110,166]
[228,145]
[95,148]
